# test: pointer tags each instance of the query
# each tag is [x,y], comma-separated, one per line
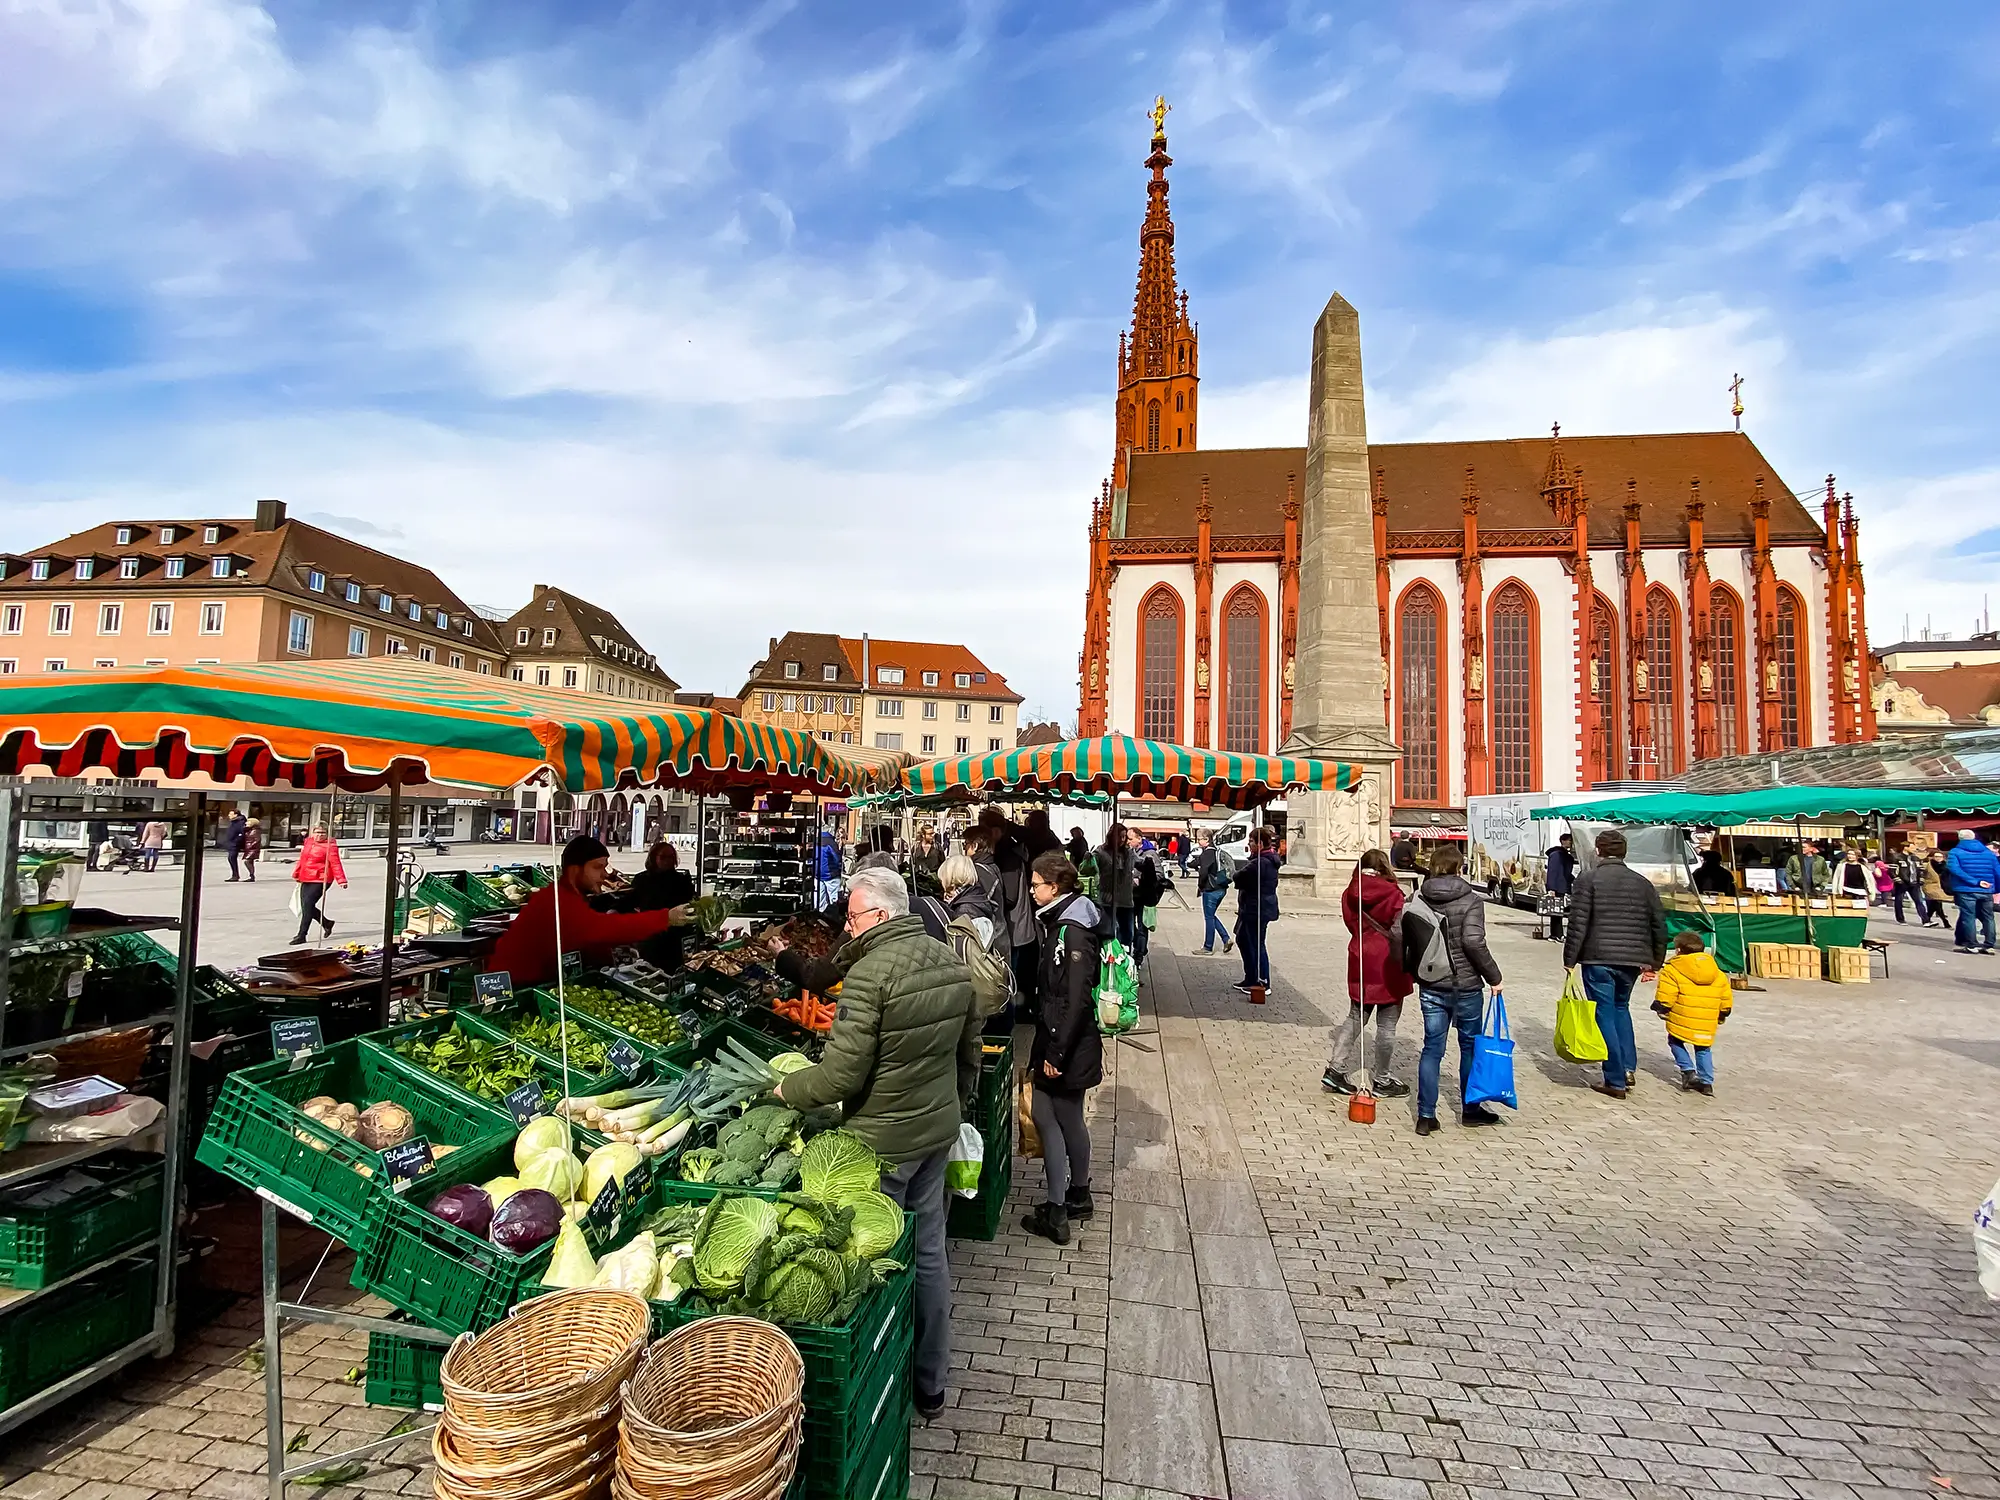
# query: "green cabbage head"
[805,1288]
[878,1224]
[837,1166]
[738,1227]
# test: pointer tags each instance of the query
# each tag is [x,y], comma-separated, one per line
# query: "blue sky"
[739,319]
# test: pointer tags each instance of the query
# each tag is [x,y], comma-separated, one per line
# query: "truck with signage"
[1505,847]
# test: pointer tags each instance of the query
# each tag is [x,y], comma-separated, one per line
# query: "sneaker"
[1227,946]
[1050,1221]
[1209,951]
[1607,1090]
[928,1406]
[1478,1116]
[1705,1089]
[1079,1204]
[1387,1087]
[1335,1083]
[1985,952]
[1965,950]
[1427,1125]
[1687,1078]
[1244,985]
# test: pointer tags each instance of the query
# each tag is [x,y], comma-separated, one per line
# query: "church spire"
[1157,358]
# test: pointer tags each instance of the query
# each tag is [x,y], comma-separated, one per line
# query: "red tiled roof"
[814,651]
[1423,482]
[919,657]
[1960,691]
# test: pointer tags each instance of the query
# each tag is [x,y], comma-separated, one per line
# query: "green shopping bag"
[1117,992]
[1577,1038]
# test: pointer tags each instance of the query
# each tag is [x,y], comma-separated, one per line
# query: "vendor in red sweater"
[527,949]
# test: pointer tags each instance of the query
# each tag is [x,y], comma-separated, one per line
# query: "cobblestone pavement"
[1770,1292]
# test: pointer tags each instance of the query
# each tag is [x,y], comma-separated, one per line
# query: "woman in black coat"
[662,884]
[1067,1060]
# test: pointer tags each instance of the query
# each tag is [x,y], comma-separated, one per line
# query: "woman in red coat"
[1372,908]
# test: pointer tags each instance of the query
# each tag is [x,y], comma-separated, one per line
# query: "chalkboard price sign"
[526,1102]
[623,1056]
[493,988]
[295,1036]
[637,1183]
[600,1220]
[407,1161]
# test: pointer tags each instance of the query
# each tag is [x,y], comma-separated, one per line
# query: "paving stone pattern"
[1767,1293]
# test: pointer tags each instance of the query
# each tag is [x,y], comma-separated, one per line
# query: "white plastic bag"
[961,1168]
[1986,1242]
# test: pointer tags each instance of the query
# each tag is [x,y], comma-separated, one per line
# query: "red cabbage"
[528,1220]
[467,1206]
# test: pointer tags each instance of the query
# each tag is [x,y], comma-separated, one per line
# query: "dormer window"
[829,673]
[442,620]
[169,535]
[961,679]
[978,676]
[523,636]
[210,535]
[128,567]
[85,567]
[550,604]
[386,603]
[177,567]
[791,669]
[39,569]
[416,611]
[354,593]
[316,581]
[220,566]
[890,675]
[465,628]
[930,679]
[548,637]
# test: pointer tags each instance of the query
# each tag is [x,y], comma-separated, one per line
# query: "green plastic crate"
[43,1245]
[404,1373]
[979,1218]
[257,1136]
[671,1060]
[492,1025]
[882,1471]
[837,1441]
[546,1069]
[58,1334]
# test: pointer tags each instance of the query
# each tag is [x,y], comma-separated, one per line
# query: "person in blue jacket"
[1256,908]
[1975,875]
[826,870]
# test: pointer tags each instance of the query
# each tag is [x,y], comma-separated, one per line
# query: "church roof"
[1423,482]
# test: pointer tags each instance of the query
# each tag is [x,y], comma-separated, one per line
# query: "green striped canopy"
[361,724]
[1145,768]
[1778,804]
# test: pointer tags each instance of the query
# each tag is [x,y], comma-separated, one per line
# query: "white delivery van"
[1505,846]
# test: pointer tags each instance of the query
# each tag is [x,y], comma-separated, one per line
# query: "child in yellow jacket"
[1694,996]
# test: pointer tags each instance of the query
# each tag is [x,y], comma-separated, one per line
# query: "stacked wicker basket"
[714,1413]
[531,1405]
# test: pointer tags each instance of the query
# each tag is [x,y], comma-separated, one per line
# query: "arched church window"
[1791,681]
[1511,644]
[1153,427]
[1243,672]
[1610,715]
[1180,400]
[1725,627]
[1418,680]
[1160,666]
[1663,658]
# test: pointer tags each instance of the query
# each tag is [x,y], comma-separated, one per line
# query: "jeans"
[1126,921]
[1065,1143]
[1444,1009]
[152,858]
[1250,930]
[1347,1039]
[1975,909]
[1916,896]
[1610,986]
[232,855]
[918,1186]
[1701,1064]
[1211,924]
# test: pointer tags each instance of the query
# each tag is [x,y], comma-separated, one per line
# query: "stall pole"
[389,901]
[1805,874]
[700,837]
[167,1297]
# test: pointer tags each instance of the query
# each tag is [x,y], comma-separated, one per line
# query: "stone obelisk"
[1337,693]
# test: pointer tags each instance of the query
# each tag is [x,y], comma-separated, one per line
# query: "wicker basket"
[119,1056]
[558,1359]
[714,1413]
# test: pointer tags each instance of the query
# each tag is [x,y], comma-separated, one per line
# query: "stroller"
[119,852]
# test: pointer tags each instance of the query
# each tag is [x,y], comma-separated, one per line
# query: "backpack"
[992,974]
[1426,947]
[1222,875]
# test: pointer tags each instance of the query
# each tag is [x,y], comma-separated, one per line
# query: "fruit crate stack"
[993,1116]
[1784,961]
[1848,965]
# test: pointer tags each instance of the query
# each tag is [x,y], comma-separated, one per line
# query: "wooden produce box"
[1847,965]
[1784,961]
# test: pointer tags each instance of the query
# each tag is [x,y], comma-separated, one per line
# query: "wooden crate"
[1784,961]
[1847,965]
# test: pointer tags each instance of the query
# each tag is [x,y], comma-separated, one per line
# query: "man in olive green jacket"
[907,1025]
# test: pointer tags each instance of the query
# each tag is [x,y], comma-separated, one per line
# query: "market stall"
[1119,765]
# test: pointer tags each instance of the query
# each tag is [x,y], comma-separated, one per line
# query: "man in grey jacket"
[1459,1001]
[1617,930]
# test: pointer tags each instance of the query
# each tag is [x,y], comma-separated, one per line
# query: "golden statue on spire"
[1159,113]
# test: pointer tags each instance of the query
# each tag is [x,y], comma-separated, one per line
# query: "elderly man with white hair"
[906,1033]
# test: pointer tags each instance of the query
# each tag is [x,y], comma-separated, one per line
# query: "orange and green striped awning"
[360,724]
[1144,768]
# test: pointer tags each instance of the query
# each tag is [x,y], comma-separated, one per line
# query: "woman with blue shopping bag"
[1444,950]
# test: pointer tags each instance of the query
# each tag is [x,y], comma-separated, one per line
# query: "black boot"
[1050,1221]
[1078,1204]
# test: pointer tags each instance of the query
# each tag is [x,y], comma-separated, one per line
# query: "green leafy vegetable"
[837,1165]
[732,1235]
[878,1224]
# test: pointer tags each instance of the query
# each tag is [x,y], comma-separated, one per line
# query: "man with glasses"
[902,1056]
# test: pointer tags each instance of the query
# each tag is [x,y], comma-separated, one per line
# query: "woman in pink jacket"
[319,866]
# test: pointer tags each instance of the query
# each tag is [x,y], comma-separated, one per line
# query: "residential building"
[931,699]
[194,592]
[806,682]
[1046,733]
[1982,649]
[731,706]
[1924,699]
[558,640]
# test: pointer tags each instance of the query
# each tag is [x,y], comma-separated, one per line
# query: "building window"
[54,664]
[486,669]
[549,605]
[39,569]
[1419,679]
[160,620]
[829,673]
[993,744]
[427,653]
[1662,681]
[770,703]
[847,705]
[316,581]
[961,679]
[930,708]
[59,618]
[357,641]
[85,567]
[791,703]
[891,708]
[299,639]
[846,736]
[210,535]
[929,744]
[569,677]
[128,567]
[792,670]
[995,714]
[386,603]
[168,535]
[888,742]
[441,619]
[465,627]
[9,666]
[124,536]
[416,611]
[392,646]
[177,567]
[110,619]
[105,661]
[1152,427]
[1791,683]
[962,745]
[541,677]
[548,638]
[893,676]
[11,619]
[930,679]
[1609,754]
[1725,624]
[523,636]
[1160,666]
[1510,644]
[457,661]
[219,567]
[1242,673]
[211,619]
[353,593]
[519,674]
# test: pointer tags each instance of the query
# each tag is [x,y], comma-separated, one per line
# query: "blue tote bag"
[1492,1080]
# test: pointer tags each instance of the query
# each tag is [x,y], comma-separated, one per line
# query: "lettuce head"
[735,1232]
[838,1166]
[878,1224]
